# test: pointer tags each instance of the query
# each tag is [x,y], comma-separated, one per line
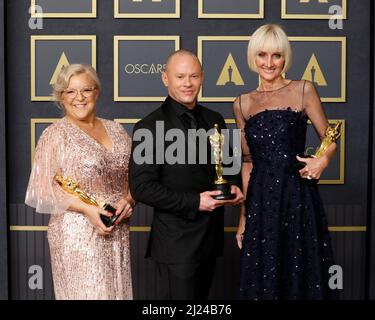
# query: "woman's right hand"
[241,227]
[93,215]
[239,238]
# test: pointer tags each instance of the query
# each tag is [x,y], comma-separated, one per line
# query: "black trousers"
[184,281]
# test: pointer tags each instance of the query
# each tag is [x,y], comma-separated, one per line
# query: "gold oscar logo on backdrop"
[63,62]
[139,62]
[49,54]
[144,68]
[230,74]
[314,73]
[321,60]
[225,66]
[314,9]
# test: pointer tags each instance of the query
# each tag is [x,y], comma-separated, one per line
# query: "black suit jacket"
[179,232]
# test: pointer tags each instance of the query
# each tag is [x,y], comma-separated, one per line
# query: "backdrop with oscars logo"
[127,41]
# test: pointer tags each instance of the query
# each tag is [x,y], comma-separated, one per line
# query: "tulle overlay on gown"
[85,265]
[286,251]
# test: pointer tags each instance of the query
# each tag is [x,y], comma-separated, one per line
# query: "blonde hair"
[66,73]
[269,37]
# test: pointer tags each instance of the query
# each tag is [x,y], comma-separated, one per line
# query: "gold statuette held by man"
[331,136]
[71,186]
[217,141]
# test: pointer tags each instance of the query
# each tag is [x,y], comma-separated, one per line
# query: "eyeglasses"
[85,92]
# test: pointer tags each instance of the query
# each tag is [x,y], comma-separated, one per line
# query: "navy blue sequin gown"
[286,249]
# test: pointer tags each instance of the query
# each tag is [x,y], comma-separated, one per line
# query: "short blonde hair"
[269,37]
[66,73]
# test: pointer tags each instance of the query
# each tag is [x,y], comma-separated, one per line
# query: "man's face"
[183,78]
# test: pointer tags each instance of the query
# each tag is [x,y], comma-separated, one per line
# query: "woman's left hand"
[124,209]
[238,193]
[314,167]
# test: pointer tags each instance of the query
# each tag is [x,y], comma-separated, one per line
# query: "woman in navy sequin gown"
[283,234]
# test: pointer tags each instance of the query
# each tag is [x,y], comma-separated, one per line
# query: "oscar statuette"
[331,136]
[71,186]
[217,141]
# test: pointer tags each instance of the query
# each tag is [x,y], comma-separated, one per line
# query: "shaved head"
[181,52]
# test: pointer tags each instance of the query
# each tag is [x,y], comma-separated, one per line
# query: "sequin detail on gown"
[286,249]
[85,265]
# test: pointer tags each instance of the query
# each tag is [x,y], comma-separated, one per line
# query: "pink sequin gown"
[85,265]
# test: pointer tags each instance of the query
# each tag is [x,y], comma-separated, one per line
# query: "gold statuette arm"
[70,185]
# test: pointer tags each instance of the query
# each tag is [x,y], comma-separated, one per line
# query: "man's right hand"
[207,203]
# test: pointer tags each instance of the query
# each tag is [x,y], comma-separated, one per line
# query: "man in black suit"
[187,229]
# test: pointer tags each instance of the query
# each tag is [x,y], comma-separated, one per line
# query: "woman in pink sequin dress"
[89,260]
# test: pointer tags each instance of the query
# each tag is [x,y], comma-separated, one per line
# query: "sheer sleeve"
[240,121]
[43,193]
[314,109]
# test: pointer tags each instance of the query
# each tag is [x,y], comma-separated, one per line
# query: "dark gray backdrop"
[347,205]
[370,266]
[3,211]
